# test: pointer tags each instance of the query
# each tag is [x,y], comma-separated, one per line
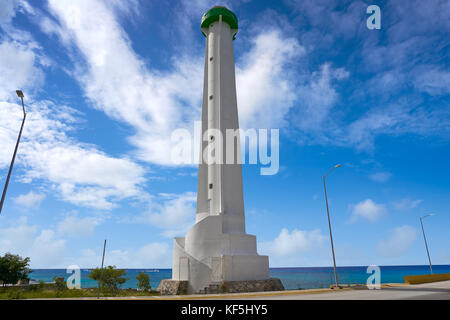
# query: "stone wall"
[173,287]
[272,284]
[176,287]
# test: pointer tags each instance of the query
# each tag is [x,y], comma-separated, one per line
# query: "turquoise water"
[292,278]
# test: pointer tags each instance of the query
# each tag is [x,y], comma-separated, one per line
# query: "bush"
[15,294]
[33,287]
[13,268]
[111,278]
[60,284]
[143,281]
[41,284]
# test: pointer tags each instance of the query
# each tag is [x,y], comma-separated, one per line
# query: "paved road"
[429,291]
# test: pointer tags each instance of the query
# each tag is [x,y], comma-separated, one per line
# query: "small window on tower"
[210,97]
[210,185]
[211,59]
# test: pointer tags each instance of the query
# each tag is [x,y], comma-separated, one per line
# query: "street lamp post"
[100,283]
[329,225]
[425,239]
[20,95]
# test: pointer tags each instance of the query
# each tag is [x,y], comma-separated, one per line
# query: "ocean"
[292,278]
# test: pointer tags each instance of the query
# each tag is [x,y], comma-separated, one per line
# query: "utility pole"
[20,95]
[425,239]
[329,226]
[101,271]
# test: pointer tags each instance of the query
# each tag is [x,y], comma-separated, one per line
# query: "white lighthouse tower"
[216,255]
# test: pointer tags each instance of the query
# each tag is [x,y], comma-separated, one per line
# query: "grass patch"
[48,290]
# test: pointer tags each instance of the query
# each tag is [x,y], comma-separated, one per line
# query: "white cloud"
[405,115]
[265,88]
[75,226]
[433,80]
[411,57]
[118,82]
[8,136]
[29,200]
[79,173]
[151,255]
[155,254]
[292,242]
[17,239]
[362,131]
[83,175]
[394,119]
[7,10]
[380,176]
[398,243]
[44,249]
[47,249]
[406,204]
[368,210]
[269,85]
[19,68]
[318,97]
[175,213]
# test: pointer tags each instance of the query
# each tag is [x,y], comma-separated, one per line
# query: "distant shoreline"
[155,269]
[293,278]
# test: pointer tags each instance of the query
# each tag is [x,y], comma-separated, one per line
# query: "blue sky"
[107,82]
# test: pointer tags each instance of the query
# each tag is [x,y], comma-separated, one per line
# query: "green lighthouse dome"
[213,14]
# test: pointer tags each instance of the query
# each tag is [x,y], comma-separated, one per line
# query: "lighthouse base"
[169,287]
[179,287]
[208,255]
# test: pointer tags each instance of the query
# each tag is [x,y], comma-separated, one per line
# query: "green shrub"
[15,294]
[34,287]
[41,285]
[13,268]
[111,278]
[143,281]
[60,285]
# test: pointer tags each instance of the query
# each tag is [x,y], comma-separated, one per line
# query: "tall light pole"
[20,95]
[425,239]
[329,225]
[100,283]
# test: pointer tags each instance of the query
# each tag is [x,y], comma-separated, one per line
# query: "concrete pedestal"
[208,255]
[176,287]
